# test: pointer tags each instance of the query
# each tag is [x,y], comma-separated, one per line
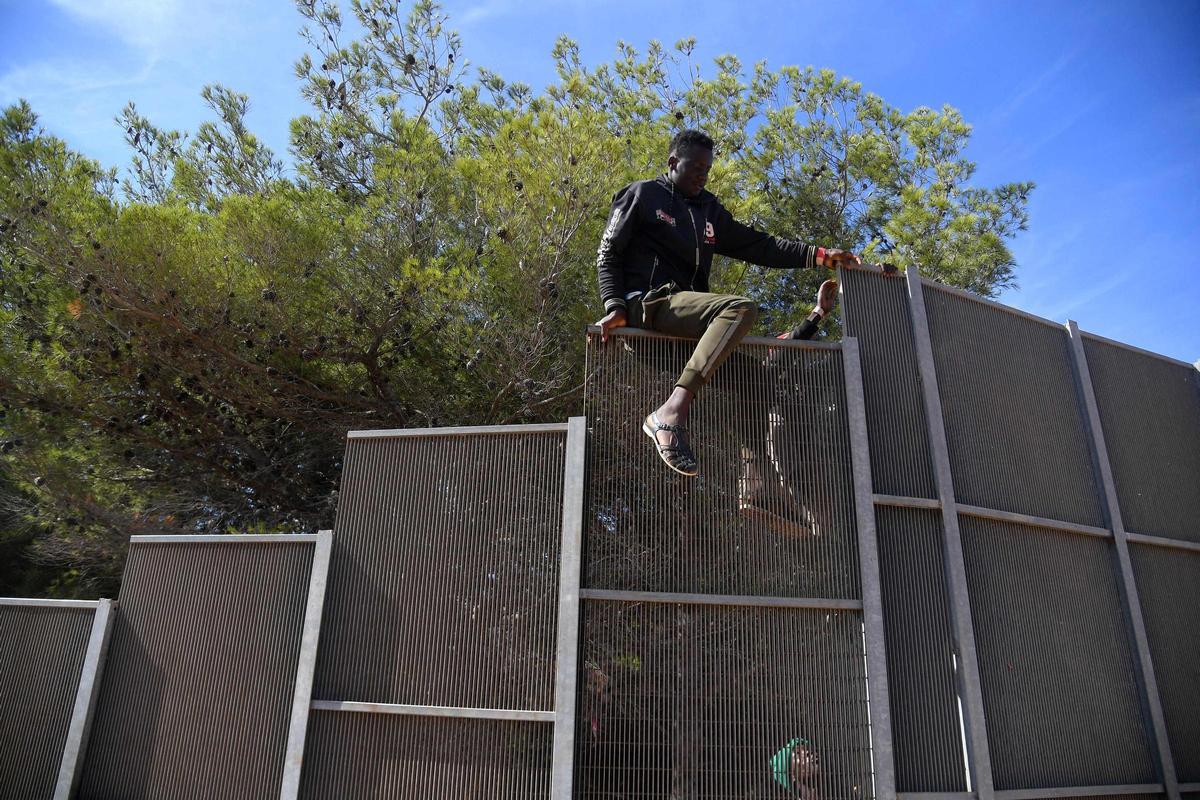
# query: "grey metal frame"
[741,600]
[1163,541]
[474,430]
[85,701]
[979,763]
[49,602]
[86,692]
[454,712]
[1131,348]
[970,688]
[1078,791]
[570,563]
[870,606]
[302,695]
[1033,522]
[878,705]
[1129,593]
[563,715]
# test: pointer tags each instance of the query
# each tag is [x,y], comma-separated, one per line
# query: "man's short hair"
[687,140]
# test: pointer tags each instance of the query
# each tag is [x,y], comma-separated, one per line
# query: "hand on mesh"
[827,296]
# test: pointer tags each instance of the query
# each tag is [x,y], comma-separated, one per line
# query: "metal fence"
[447,661]
[205,688]
[954,556]
[731,621]
[1037,647]
[50,652]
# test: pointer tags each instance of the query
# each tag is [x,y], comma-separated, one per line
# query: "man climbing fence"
[654,261]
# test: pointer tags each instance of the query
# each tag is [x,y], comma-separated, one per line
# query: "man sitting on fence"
[654,261]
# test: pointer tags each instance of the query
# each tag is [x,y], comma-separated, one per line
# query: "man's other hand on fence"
[613,319]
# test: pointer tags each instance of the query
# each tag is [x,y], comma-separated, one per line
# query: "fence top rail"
[765,341]
[225,538]
[963,293]
[48,602]
[469,430]
[1098,338]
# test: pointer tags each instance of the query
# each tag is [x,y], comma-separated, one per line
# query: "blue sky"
[1097,102]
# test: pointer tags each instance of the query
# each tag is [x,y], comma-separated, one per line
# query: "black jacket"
[655,236]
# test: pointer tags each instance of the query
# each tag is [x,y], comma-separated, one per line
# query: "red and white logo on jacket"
[710,236]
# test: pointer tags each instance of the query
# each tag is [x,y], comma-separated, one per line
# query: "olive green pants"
[718,320]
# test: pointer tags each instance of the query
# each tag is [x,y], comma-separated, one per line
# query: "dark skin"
[689,172]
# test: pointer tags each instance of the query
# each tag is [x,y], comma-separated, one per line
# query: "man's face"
[689,169]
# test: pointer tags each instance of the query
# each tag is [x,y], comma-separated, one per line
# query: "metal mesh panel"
[444,573]
[389,756]
[1168,581]
[927,736]
[699,701]
[1014,424]
[197,689]
[41,659]
[1150,412]
[1054,655]
[770,432]
[877,313]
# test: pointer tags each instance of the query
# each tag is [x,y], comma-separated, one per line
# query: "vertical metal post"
[868,559]
[305,667]
[1129,593]
[979,761]
[71,765]
[563,754]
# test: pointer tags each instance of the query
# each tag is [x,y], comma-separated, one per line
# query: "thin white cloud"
[1023,149]
[1041,81]
[148,25]
[483,11]
[1078,300]
[490,9]
[51,80]
[167,28]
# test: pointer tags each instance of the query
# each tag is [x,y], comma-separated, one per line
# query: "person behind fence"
[765,492]
[654,261]
[797,768]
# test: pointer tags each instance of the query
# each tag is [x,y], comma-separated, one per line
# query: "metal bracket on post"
[71,766]
[974,722]
[868,559]
[563,753]
[305,667]
[1129,593]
